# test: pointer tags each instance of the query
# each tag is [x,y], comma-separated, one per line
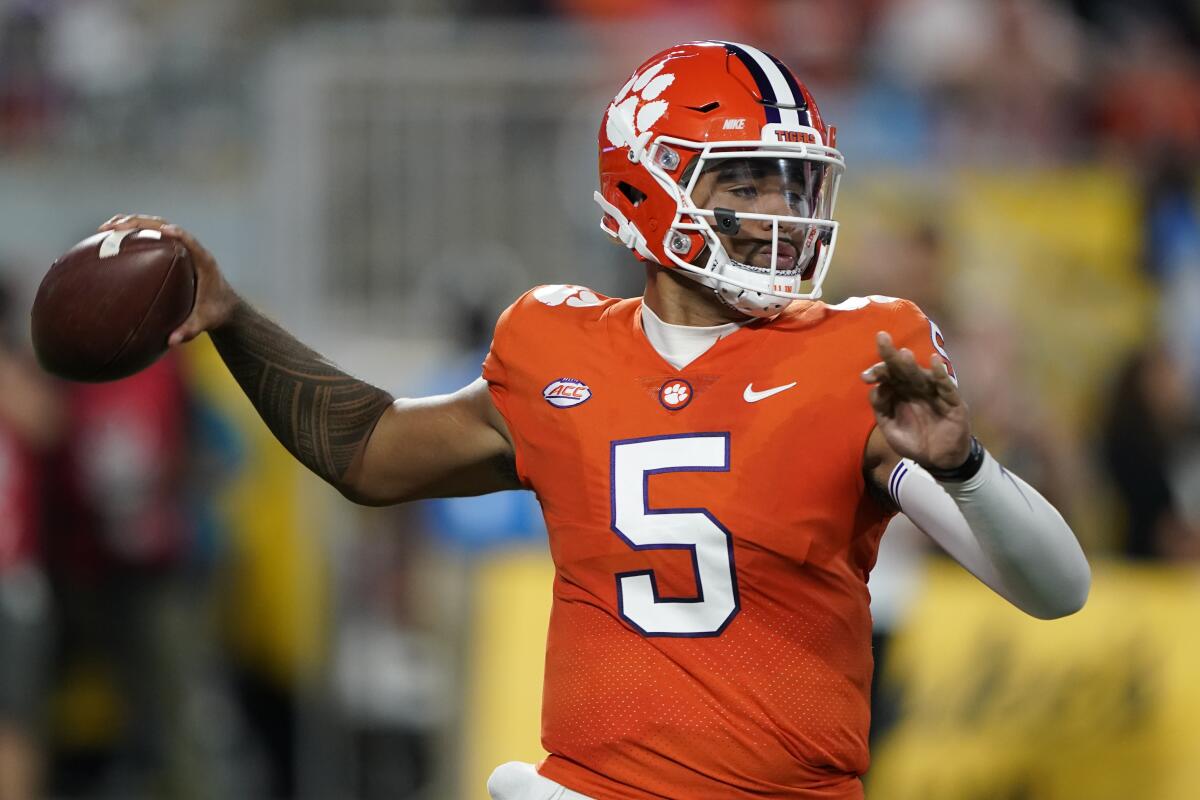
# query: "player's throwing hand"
[215,299]
[919,411]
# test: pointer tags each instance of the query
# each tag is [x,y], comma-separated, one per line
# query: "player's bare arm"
[372,448]
[452,445]
[992,522]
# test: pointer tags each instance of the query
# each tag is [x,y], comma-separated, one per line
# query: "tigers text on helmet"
[716,139]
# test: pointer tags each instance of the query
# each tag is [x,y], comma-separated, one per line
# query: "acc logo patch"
[675,394]
[566,392]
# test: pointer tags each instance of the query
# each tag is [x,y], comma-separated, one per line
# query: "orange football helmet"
[720,106]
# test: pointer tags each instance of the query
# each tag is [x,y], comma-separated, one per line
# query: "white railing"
[414,167]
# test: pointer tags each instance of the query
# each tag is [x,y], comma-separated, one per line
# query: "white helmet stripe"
[788,117]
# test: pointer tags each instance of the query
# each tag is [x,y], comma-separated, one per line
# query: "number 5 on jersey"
[694,529]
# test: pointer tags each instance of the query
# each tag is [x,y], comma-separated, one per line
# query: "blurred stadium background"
[184,613]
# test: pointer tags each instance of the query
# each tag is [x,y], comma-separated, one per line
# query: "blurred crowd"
[1031,81]
[117,675]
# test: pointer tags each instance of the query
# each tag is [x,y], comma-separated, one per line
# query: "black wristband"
[965,471]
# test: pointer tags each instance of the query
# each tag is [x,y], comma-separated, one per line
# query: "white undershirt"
[680,345]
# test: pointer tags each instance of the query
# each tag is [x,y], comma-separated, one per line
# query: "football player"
[716,460]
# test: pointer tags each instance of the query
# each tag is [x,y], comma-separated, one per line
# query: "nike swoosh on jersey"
[751,396]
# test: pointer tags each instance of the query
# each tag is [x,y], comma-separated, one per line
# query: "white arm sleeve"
[1003,531]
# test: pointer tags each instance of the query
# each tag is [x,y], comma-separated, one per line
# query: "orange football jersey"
[712,534]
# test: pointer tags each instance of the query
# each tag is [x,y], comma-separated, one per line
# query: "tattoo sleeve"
[320,414]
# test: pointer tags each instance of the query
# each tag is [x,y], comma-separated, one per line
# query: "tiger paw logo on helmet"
[638,103]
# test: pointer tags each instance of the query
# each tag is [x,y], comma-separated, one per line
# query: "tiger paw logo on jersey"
[637,102]
[559,293]
[566,393]
[675,394]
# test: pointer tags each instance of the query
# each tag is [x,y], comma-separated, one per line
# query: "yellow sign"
[1104,705]
[511,614]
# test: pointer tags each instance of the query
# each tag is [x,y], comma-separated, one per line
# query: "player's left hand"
[919,411]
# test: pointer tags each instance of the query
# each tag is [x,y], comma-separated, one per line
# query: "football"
[106,306]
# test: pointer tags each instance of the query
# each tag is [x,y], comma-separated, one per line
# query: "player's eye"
[744,191]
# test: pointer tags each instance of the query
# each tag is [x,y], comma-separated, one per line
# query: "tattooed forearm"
[320,414]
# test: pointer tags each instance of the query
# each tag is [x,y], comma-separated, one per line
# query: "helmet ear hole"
[633,194]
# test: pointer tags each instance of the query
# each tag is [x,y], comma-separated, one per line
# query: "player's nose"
[775,204]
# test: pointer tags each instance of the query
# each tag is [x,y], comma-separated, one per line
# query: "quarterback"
[716,460]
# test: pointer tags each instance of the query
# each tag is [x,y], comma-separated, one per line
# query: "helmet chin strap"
[761,305]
